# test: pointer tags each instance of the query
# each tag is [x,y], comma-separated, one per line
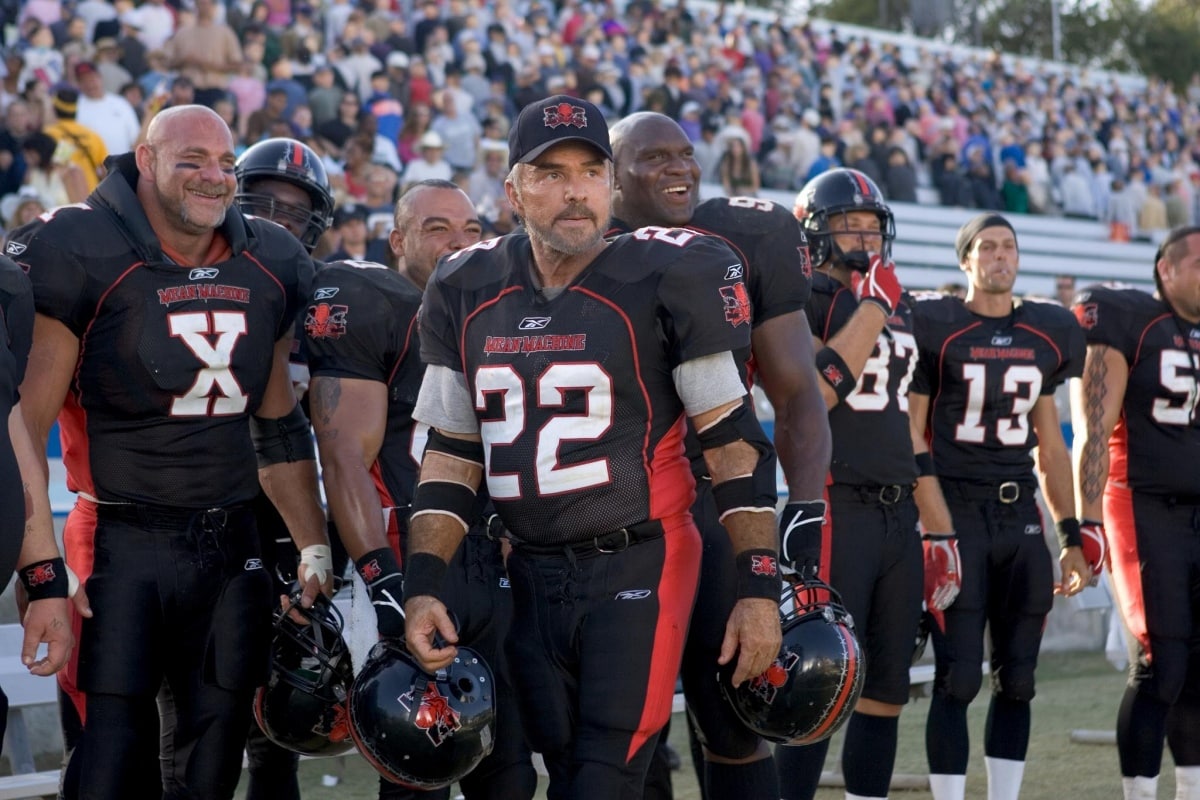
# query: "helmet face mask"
[838,192]
[292,162]
[420,730]
[815,681]
[303,706]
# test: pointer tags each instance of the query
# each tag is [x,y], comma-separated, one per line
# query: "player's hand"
[800,530]
[47,621]
[879,285]
[387,596]
[1076,572]
[75,591]
[1095,546]
[315,573]
[943,573]
[426,619]
[753,635]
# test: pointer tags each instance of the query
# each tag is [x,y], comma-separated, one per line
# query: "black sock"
[947,743]
[800,769]
[1006,732]
[1141,728]
[869,754]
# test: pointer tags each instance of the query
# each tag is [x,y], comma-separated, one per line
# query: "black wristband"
[1068,533]
[424,575]
[938,537]
[45,579]
[924,464]
[377,564]
[758,574]
[836,372]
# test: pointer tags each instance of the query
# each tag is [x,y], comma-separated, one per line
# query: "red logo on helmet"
[768,684]
[1088,315]
[564,114]
[326,321]
[763,565]
[39,574]
[434,714]
[737,304]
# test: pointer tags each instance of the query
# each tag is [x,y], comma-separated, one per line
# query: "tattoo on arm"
[1092,478]
[326,394]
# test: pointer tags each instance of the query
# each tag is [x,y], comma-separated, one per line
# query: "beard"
[194,217]
[570,242]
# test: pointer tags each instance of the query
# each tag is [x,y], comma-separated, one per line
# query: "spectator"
[1014,191]
[57,183]
[806,146]
[108,114]
[431,165]
[1178,207]
[416,125]
[77,144]
[1152,218]
[155,23]
[337,132]
[354,240]
[485,187]
[900,177]
[107,62]
[1122,213]
[22,208]
[953,188]
[826,160]
[1077,198]
[459,132]
[738,169]
[324,96]
[1037,178]
[206,51]
[707,150]
[858,156]
[260,121]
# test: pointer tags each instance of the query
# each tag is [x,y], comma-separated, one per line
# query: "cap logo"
[564,114]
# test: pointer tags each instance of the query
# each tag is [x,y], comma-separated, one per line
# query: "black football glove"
[800,526]
[380,572]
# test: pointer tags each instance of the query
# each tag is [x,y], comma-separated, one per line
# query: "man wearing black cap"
[1137,434]
[984,390]
[562,366]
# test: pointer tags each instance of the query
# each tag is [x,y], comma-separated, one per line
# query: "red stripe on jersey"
[676,593]
[1042,335]
[1137,353]
[79,549]
[462,339]
[1124,561]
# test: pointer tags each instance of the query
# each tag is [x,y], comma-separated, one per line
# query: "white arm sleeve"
[445,402]
[707,382]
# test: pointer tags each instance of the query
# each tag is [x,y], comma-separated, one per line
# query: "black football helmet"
[296,163]
[303,705]
[838,191]
[420,730]
[813,685]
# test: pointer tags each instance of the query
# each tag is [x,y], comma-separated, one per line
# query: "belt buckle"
[890,495]
[1009,492]
[624,545]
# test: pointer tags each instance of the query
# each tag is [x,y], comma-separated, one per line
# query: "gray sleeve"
[445,402]
[708,382]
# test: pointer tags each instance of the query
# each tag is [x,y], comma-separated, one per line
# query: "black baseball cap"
[558,118]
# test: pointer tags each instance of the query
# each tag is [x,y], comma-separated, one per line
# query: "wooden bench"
[23,690]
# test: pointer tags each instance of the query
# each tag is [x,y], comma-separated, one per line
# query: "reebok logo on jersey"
[14,248]
[325,293]
[504,583]
[1033,530]
[325,321]
[252,564]
[734,272]
[633,594]
[203,274]
[737,304]
[1001,341]
[533,323]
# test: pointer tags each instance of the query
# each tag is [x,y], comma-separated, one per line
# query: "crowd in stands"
[394,91]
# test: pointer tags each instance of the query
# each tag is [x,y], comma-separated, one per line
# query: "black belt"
[612,542]
[884,495]
[1007,492]
[146,514]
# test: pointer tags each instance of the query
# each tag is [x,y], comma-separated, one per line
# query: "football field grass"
[1076,691]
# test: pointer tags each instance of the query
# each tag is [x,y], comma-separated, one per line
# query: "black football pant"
[476,590]
[1007,589]
[596,643]
[180,596]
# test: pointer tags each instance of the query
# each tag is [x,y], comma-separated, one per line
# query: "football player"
[657,183]
[983,398]
[1137,432]
[363,347]
[862,328]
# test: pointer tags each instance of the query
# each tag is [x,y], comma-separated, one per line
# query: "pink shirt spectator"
[47,12]
[249,92]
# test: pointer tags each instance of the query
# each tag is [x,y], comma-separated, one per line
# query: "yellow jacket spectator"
[77,144]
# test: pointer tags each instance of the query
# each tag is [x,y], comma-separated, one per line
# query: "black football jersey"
[774,251]
[16,323]
[983,376]
[871,440]
[361,323]
[581,423]
[173,359]
[1156,443]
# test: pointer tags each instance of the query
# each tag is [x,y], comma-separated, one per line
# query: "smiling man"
[186,312]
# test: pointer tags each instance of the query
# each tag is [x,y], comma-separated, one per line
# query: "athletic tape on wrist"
[758,574]
[318,560]
[45,579]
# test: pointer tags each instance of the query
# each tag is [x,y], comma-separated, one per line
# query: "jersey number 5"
[1175,371]
[552,478]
